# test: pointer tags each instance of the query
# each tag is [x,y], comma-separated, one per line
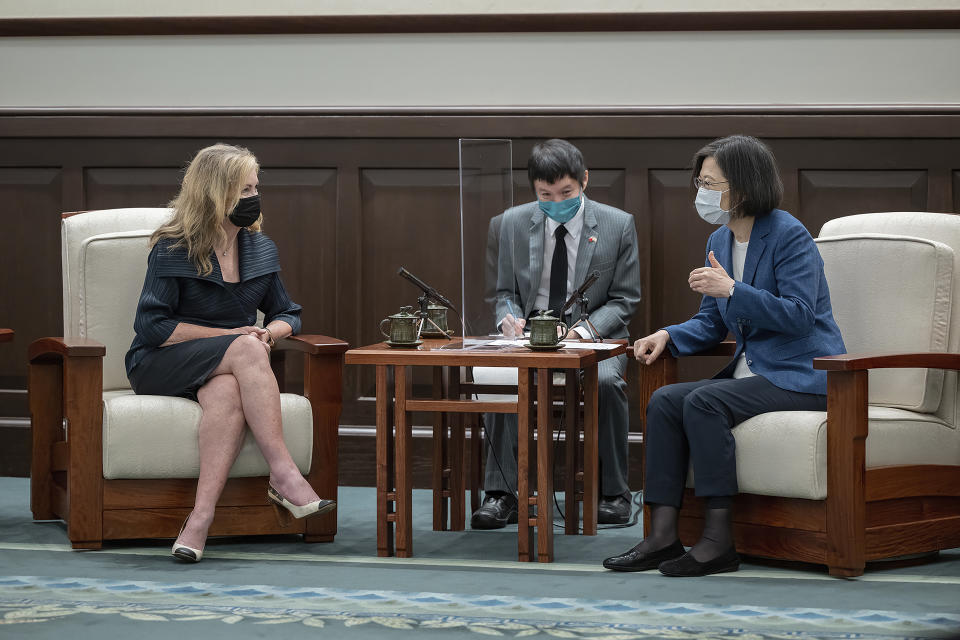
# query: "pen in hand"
[512,325]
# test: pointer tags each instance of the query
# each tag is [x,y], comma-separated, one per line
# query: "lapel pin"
[592,239]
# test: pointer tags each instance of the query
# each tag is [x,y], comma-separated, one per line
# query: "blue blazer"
[780,313]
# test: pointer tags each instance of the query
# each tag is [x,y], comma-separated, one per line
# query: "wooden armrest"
[726,348]
[66,347]
[6,335]
[313,344]
[860,361]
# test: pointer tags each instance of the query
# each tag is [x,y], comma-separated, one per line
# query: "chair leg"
[477,442]
[46,414]
[322,376]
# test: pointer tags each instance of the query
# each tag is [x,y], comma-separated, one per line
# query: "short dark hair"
[555,159]
[751,170]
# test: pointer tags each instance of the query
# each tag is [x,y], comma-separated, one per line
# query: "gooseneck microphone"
[429,291]
[589,282]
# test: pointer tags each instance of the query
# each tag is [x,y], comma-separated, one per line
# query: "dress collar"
[257,255]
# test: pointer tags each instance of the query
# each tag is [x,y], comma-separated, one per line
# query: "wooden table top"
[439,352]
[6,335]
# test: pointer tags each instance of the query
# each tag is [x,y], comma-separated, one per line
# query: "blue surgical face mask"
[562,211]
[708,206]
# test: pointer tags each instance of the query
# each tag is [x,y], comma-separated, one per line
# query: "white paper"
[596,346]
[567,344]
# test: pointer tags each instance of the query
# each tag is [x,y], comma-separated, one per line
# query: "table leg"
[544,465]
[404,471]
[591,478]
[455,454]
[439,455]
[385,479]
[524,434]
[571,412]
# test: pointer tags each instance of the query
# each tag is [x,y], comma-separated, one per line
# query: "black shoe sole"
[613,520]
[646,565]
[689,567]
[184,555]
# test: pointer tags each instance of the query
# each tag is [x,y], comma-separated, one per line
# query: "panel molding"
[829,121]
[487,23]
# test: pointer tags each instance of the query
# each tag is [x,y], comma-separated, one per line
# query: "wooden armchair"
[115,465]
[878,475]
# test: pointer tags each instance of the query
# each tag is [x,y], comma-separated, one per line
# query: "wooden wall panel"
[30,289]
[603,185]
[956,191]
[409,218]
[117,188]
[677,247]
[829,194]
[299,213]
[349,199]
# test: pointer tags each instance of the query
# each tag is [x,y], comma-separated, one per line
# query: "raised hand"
[711,281]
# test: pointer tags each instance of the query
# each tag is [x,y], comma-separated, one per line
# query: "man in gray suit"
[546,249]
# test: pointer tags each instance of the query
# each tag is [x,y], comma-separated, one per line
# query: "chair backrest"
[104,256]
[893,288]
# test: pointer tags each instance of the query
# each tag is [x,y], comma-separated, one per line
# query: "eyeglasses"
[697,182]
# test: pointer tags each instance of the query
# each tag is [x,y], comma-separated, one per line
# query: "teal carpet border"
[36,600]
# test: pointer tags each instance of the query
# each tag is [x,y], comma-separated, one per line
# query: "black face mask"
[246,212]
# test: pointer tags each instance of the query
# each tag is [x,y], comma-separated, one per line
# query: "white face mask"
[708,206]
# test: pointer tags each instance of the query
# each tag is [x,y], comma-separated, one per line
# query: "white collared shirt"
[572,240]
[742,370]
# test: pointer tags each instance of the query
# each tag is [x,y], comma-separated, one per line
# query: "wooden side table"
[533,405]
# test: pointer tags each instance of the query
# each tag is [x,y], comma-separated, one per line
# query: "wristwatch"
[731,289]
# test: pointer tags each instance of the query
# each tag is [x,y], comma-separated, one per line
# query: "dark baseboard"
[358,446]
[15,452]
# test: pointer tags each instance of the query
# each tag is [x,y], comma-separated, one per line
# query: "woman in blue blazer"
[210,269]
[763,282]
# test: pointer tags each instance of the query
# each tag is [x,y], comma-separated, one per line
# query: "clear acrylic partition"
[486,191]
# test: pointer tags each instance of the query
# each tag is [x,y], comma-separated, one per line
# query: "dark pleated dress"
[174,292]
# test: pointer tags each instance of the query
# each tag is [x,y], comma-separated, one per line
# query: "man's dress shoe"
[613,510]
[496,512]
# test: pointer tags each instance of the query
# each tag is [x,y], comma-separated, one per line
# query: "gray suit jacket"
[608,244]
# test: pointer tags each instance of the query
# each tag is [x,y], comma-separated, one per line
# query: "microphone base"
[584,321]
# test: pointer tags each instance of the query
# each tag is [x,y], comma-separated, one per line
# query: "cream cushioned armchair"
[878,474]
[115,465]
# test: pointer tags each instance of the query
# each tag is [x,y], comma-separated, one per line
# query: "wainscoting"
[349,197]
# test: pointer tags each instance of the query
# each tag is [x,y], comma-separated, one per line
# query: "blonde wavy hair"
[209,192]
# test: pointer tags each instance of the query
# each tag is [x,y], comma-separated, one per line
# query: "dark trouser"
[612,431]
[693,421]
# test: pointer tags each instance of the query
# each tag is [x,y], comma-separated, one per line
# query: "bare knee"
[247,350]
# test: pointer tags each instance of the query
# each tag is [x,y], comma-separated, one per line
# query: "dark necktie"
[558,272]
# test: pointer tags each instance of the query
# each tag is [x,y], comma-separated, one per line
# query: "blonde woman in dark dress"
[210,269]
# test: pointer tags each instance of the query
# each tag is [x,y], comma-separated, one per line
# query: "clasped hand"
[258,332]
[711,281]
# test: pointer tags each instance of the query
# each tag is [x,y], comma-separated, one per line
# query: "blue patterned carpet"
[458,585]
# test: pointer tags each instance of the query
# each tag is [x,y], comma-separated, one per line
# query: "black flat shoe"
[688,566]
[496,512]
[635,560]
[613,510]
